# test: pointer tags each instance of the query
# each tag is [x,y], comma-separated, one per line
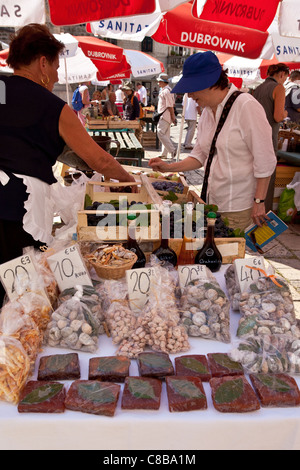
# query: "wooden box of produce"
[111,124]
[284,175]
[118,209]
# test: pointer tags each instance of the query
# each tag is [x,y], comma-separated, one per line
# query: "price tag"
[245,275]
[191,272]
[69,269]
[139,284]
[18,275]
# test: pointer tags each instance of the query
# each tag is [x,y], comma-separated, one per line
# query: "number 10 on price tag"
[139,284]
[69,269]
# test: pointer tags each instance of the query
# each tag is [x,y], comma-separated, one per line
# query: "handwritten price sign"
[18,275]
[191,272]
[246,275]
[139,284]
[69,269]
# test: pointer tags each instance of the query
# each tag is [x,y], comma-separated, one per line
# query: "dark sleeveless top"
[29,139]
[264,94]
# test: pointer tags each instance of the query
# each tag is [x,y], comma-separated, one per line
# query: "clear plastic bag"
[267,354]
[267,308]
[232,287]
[73,326]
[14,367]
[205,310]
[16,324]
[158,325]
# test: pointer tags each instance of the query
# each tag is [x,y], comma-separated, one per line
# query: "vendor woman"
[33,133]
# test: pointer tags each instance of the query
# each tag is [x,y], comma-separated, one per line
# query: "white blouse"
[244,152]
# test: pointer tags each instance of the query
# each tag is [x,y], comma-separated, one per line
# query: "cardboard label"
[69,268]
[18,276]
[245,275]
[139,284]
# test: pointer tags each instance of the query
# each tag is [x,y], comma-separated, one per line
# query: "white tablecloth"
[268,428]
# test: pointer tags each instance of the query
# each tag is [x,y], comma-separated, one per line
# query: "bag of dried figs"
[205,310]
[73,325]
[267,308]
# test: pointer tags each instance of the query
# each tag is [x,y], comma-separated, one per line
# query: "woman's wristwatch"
[258,201]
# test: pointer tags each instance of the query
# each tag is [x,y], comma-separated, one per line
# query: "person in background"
[119,95]
[191,114]
[131,103]
[143,93]
[86,101]
[271,95]
[244,158]
[33,138]
[155,96]
[96,99]
[110,108]
[105,92]
[292,96]
[166,103]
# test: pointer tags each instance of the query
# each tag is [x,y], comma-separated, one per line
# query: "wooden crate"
[181,179]
[146,194]
[230,248]
[149,139]
[111,124]
[284,175]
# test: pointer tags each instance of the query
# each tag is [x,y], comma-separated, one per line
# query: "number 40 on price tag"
[246,275]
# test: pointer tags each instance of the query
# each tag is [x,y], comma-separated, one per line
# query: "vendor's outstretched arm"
[77,138]
[187,164]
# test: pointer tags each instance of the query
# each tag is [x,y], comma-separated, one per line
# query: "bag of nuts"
[158,325]
[205,310]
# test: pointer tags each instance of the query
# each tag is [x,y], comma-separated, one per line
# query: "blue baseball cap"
[200,71]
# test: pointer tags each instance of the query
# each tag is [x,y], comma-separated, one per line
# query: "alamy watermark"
[2,92]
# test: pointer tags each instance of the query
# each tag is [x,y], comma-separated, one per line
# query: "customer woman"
[271,95]
[33,133]
[244,158]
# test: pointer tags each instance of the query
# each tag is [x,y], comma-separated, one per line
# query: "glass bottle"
[186,255]
[164,252]
[132,244]
[209,253]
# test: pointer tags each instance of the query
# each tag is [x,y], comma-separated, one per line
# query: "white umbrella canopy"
[79,69]
[142,64]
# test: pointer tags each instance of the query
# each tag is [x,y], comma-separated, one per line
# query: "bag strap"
[221,122]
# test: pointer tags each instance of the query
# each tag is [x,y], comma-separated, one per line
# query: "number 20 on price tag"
[191,272]
[139,284]
[17,275]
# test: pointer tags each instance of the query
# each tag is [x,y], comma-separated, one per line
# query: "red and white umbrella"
[142,64]
[68,12]
[250,70]
[179,27]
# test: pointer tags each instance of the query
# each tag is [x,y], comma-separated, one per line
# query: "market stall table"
[267,428]
[131,151]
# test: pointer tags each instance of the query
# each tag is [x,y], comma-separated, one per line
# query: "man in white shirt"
[190,116]
[143,93]
[244,159]
[166,103]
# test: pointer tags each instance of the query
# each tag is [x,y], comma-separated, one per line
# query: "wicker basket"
[113,272]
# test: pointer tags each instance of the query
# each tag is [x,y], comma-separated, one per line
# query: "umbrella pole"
[67,85]
[181,126]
